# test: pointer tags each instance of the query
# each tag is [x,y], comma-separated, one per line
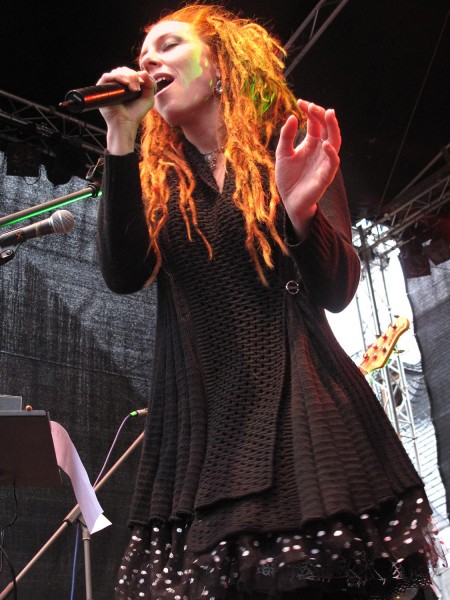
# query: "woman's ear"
[218,88]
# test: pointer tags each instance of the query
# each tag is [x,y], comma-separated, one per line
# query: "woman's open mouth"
[162,83]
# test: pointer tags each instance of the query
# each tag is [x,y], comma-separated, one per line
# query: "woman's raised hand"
[303,173]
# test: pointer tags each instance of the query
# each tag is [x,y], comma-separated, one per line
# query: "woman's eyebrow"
[155,43]
[163,36]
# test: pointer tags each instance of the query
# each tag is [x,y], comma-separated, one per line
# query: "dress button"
[292,287]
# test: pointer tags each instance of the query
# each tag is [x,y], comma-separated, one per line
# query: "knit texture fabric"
[258,419]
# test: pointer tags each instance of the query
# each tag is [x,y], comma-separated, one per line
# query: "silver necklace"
[211,157]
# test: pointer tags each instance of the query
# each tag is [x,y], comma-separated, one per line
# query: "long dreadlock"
[256,100]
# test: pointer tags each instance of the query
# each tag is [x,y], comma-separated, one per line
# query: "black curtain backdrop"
[73,348]
[429,298]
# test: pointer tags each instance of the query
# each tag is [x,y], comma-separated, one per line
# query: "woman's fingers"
[288,132]
[334,132]
[321,123]
[132,79]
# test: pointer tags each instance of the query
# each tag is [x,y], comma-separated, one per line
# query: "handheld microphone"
[97,96]
[61,221]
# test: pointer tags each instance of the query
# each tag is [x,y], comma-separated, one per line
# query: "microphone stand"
[92,191]
[75,515]
[8,253]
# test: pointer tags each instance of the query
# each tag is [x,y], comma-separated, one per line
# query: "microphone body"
[61,221]
[97,96]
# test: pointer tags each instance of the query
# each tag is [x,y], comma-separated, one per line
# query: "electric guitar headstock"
[378,353]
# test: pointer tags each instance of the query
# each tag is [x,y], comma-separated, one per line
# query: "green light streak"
[52,208]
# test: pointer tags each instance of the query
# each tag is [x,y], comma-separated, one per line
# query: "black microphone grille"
[62,221]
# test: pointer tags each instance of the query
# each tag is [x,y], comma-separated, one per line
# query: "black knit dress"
[269,469]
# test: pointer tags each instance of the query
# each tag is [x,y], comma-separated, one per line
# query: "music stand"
[27,454]
[74,515]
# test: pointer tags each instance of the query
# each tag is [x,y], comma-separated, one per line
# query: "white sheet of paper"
[69,461]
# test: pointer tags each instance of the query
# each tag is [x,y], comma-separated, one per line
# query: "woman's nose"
[149,61]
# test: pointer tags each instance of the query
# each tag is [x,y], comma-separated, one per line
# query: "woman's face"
[180,63]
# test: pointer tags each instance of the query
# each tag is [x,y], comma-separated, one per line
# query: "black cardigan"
[243,370]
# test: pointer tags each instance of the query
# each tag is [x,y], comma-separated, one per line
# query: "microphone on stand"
[97,96]
[61,221]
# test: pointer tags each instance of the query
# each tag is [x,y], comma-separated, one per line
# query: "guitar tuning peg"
[374,360]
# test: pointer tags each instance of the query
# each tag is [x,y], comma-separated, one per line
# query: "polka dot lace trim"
[353,557]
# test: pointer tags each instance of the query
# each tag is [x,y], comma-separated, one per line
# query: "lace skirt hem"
[365,557]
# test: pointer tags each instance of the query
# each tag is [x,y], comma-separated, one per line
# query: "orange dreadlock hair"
[255,101]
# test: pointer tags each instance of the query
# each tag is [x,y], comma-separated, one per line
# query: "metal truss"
[425,196]
[390,387]
[375,314]
[313,26]
[42,127]
[428,195]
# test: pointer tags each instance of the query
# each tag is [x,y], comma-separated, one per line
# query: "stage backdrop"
[73,348]
[429,297]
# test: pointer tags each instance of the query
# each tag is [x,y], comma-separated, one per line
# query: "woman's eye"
[169,45]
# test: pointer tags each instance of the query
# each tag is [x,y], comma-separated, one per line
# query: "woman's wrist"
[301,221]
[120,142]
